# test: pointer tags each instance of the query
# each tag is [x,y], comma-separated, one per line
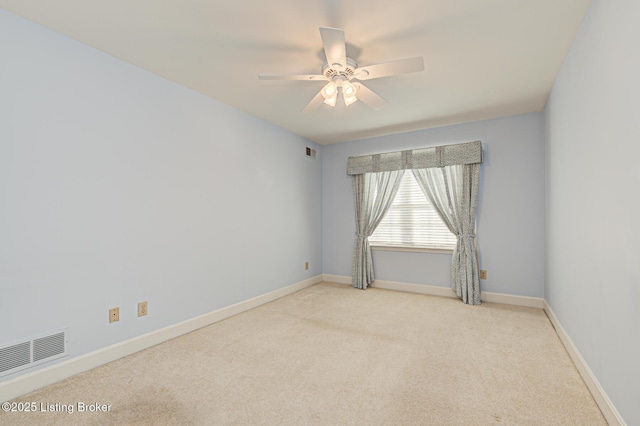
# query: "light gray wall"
[510,214]
[593,199]
[117,186]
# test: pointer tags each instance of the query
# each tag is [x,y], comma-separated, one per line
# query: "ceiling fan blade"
[401,66]
[315,103]
[369,97]
[291,77]
[334,46]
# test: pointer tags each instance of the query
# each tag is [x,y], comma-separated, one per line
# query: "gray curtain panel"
[373,194]
[453,191]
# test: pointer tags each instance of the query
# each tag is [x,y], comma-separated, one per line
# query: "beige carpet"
[334,355]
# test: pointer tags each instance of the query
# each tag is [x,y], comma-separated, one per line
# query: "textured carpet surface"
[334,355]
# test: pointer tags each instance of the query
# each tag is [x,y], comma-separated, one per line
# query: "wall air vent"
[311,153]
[29,353]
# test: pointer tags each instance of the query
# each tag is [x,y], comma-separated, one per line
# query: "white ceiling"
[483,58]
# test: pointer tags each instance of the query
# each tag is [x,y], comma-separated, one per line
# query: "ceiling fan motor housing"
[335,71]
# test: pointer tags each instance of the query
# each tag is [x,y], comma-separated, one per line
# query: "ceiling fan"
[343,73]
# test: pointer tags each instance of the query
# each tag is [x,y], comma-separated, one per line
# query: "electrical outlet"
[114,315]
[142,309]
[483,274]
[306,265]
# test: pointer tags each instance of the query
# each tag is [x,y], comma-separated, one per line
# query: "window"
[412,222]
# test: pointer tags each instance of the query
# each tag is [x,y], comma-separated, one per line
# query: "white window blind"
[412,222]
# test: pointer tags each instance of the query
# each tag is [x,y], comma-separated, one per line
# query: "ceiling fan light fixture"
[349,93]
[331,101]
[330,90]
[348,100]
[348,89]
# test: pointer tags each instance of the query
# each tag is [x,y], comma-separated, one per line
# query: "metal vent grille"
[309,152]
[15,356]
[28,353]
[46,347]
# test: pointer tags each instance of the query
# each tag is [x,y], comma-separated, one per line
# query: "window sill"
[412,249]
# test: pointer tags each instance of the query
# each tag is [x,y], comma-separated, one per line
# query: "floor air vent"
[29,353]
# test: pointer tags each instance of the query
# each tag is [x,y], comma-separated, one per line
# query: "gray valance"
[423,158]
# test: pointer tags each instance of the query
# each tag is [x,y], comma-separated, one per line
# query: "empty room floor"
[332,354]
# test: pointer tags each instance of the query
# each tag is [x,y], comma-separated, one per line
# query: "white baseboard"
[604,403]
[510,299]
[338,279]
[414,288]
[31,381]
[507,299]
